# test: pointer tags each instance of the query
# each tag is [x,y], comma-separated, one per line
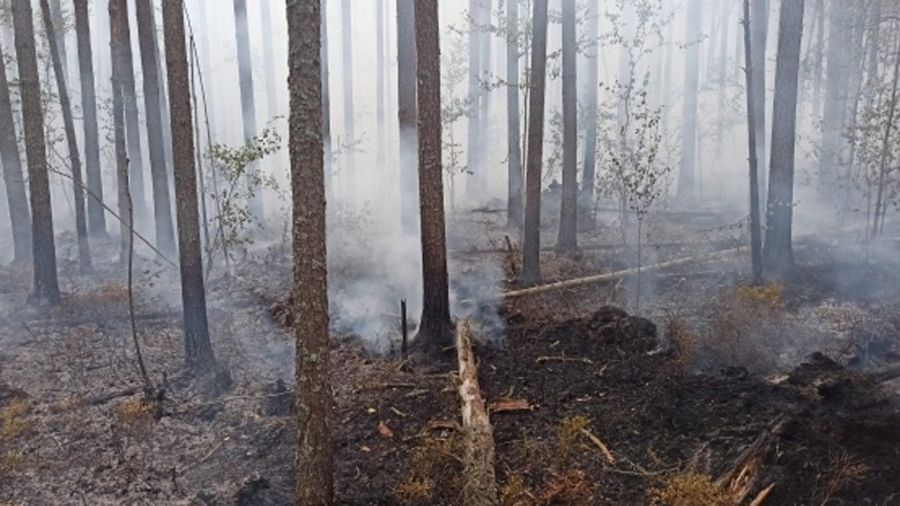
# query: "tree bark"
[531,265]
[84,250]
[568,220]
[59,35]
[46,285]
[778,256]
[17,200]
[198,351]
[586,200]
[119,68]
[132,120]
[96,216]
[406,107]
[435,331]
[755,226]
[314,483]
[248,102]
[474,156]
[514,152]
[686,176]
[269,58]
[837,79]
[162,205]
[326,98]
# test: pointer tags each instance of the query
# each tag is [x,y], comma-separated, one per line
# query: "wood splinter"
[480,479]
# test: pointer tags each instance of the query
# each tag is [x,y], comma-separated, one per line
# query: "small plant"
[515,492]
[570,487]
[690,489]
[570,431]
[240,186]
[135,412]
[414,490]
[434,460]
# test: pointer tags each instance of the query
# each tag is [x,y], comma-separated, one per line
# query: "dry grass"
[843,473]
[434,460]
[515,492]
[570,487]
[570,432]
[14,423]
[689,489]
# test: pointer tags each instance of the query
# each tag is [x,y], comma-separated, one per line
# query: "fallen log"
[612,276]
[599,247]
[480,481]
[739,479]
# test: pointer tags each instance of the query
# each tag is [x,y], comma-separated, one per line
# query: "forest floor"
[590,405]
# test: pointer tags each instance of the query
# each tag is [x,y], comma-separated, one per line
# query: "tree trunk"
[380,84]
[885,147]
[198,351]
[837,81]
[819,60]
[132,121]
[755,226]
[473,118]
[118,60]
[778,256]
[686,176]
[759,35]
[46,285]
[84,250]
[59,35]
[406,107]
[248,103]
[163,105]
[17,200]
[435,331]
[484,109]
[347,74]
[162,205]
[96,216]
[326,97]
[269,59]
[514,153]
[314,481]
[531,265]
[586,201]
[568,220]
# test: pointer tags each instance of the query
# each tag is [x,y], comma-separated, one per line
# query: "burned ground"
[673,399]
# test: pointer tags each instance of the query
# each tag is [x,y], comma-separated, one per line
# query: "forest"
[559,252]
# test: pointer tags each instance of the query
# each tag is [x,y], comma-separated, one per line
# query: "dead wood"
[741,477]
[111,396]
[613,276]
[480,486]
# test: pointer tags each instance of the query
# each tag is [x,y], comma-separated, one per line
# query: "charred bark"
[755,227]
[759,35]
[17,200]
[435,331]
[778,256]
[314,483]
[198,351]
[531,266]
[46,284]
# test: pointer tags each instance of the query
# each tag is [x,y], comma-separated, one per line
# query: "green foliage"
[240,185]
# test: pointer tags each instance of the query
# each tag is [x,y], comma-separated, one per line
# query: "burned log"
[480,486]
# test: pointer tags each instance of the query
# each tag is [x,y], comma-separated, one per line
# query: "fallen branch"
[600,444]
[541,360]
[105,398]
[763,494]
[742,476]
[612,276]
[480,486]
